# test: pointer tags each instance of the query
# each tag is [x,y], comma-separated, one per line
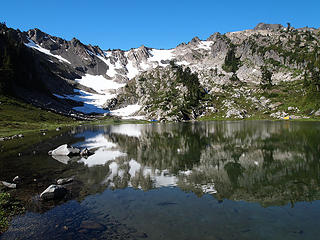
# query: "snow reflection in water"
[108,153]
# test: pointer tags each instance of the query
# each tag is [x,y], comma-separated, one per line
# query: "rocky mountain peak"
[266,26]
[214,36]
[195,40]
[3,27]
[140,54]
[181,44]
[75,42]
[246,57]
[37,35]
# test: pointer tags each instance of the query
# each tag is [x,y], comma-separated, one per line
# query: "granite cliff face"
[234,75]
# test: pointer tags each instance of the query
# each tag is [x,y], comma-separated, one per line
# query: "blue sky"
[126,24]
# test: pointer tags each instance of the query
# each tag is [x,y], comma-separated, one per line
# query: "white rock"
[64,150]
[9,185]
[62,181]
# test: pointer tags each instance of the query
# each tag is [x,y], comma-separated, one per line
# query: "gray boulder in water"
[64,150]
[53,192]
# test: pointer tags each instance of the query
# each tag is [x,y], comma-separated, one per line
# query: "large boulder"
[53,192]
[64,150]
[9,185]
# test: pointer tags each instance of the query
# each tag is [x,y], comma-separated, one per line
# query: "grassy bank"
[19,117]
[8,208]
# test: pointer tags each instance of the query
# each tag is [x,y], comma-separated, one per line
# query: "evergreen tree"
[266,80]
[231,62]
[194,91]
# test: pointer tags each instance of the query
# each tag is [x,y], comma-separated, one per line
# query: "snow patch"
[205,45]
[93,101]
[132,71]
[32,44]
[99,83]
[111,72]
[183,63]
[159,54]
[144,66]
[126,111]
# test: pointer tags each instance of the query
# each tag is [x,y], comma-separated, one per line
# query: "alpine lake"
[199,180]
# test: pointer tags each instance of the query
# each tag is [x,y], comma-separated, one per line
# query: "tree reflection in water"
[272,163]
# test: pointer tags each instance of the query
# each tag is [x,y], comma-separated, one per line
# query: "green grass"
[294,94]
[8,208]
[19,117]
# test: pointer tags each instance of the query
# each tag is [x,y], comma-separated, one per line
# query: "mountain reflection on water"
[272,163]
[202,180]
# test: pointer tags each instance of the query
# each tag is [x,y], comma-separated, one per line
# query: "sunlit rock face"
[263,162]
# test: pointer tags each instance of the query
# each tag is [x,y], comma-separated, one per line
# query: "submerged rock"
[139,235]
[91,225]
[64,150]
[53,192]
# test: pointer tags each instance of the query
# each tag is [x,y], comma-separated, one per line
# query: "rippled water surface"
[202,180]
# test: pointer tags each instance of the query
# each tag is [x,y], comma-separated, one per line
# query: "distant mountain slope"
[235,73]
